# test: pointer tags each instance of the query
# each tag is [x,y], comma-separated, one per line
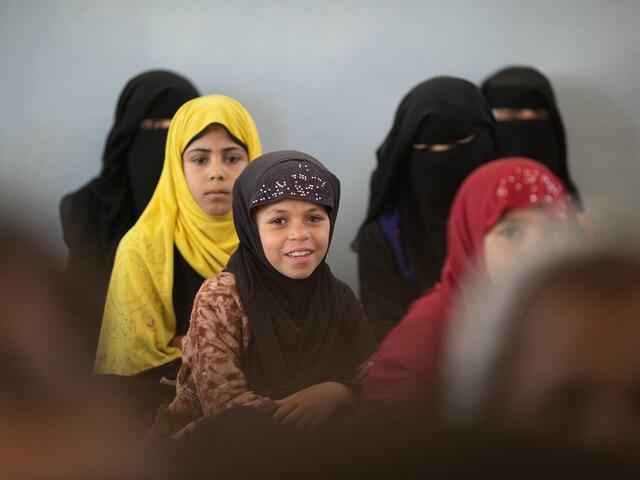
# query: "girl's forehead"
[290,206]
[213,134]
[526,214]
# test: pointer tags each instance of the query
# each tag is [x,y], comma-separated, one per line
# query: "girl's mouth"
[298,254]
[300,257]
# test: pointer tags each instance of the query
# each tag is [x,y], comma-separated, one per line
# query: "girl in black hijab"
[276,331]
[528,119]
[443,129]
[95,217]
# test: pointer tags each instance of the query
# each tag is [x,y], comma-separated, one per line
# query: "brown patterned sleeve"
[214,347]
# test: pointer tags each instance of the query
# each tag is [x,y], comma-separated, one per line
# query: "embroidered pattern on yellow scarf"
[139,319]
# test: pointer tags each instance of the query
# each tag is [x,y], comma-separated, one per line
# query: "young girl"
[276,331]
[443,130]
[503,210]
[185,235]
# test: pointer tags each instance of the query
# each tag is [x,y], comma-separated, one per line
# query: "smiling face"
[212,163]
[294,236]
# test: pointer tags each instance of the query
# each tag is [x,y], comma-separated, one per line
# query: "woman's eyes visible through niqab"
[519,114]
[443,147]
[155,124]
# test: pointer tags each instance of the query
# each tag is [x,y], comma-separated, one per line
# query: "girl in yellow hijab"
[185,235]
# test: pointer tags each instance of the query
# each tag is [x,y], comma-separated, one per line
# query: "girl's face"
[294,236]
[212,163]
[518,233]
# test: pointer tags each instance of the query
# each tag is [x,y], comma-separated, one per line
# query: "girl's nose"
[298,232]
[216,170]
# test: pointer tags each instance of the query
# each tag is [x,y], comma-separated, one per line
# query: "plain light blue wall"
[324,77]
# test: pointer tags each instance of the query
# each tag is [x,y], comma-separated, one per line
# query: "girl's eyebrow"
[279,211]
[512,220]
[208,150]
[235,147]
[276,210]
[204,150]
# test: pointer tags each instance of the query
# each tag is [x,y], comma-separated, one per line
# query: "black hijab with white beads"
[303,332]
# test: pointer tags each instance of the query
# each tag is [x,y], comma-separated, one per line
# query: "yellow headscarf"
[139,320]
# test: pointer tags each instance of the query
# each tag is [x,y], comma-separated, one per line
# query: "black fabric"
[143,393]
[433,178]
[423,183]
[245,443]
[186,283]
[303,331]
[384,290]
[95,217]
[539,139]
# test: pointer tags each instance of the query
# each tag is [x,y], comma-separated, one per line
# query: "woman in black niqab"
[442,131]
[528,119]
[95,217]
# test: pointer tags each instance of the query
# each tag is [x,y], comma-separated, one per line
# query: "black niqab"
[95,217]
[423,183]
[540,139]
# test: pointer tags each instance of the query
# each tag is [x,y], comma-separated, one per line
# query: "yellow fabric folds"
[139,319]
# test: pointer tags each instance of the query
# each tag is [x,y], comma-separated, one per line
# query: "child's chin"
[217,209]
[298,274]
[220,212]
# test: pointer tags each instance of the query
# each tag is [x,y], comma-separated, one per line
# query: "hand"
[308,408]
[177,341]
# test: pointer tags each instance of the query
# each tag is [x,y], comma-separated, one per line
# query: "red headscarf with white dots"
[408,360]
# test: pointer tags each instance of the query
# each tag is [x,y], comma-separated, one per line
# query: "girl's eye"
[511,233]
[199,160]
[278,221]
[232,159]
[314,219]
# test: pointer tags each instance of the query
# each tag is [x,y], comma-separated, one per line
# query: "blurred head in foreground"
[553,352]
[55,422]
